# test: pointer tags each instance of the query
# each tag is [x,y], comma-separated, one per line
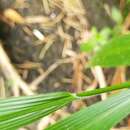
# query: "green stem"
[103,90]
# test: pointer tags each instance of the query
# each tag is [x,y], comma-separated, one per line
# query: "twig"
[2,88]
[44,122]
[46,6]
[45,49]
[11,74]
[42,77]
[98,73]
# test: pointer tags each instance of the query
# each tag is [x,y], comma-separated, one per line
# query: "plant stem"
[103,90]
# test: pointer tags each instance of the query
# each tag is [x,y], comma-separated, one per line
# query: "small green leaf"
[96,40]
[128,1]
[87,46]
[20,111]
[105,32]
[116,15]
[100,116]
[115,53]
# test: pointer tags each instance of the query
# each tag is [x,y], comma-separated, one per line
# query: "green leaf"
[126,9]
[20,111]
[115,53]
[101,116]
[128,1]
[116,15]
[87,46]
[96,40]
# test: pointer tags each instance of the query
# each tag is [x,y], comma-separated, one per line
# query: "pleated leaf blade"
[20,111]
[100,116]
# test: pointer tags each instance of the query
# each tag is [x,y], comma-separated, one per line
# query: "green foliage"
[115,53]
[96,40]
[101,116]
[20,111]
[116,15]
[100,38]
[126,9]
